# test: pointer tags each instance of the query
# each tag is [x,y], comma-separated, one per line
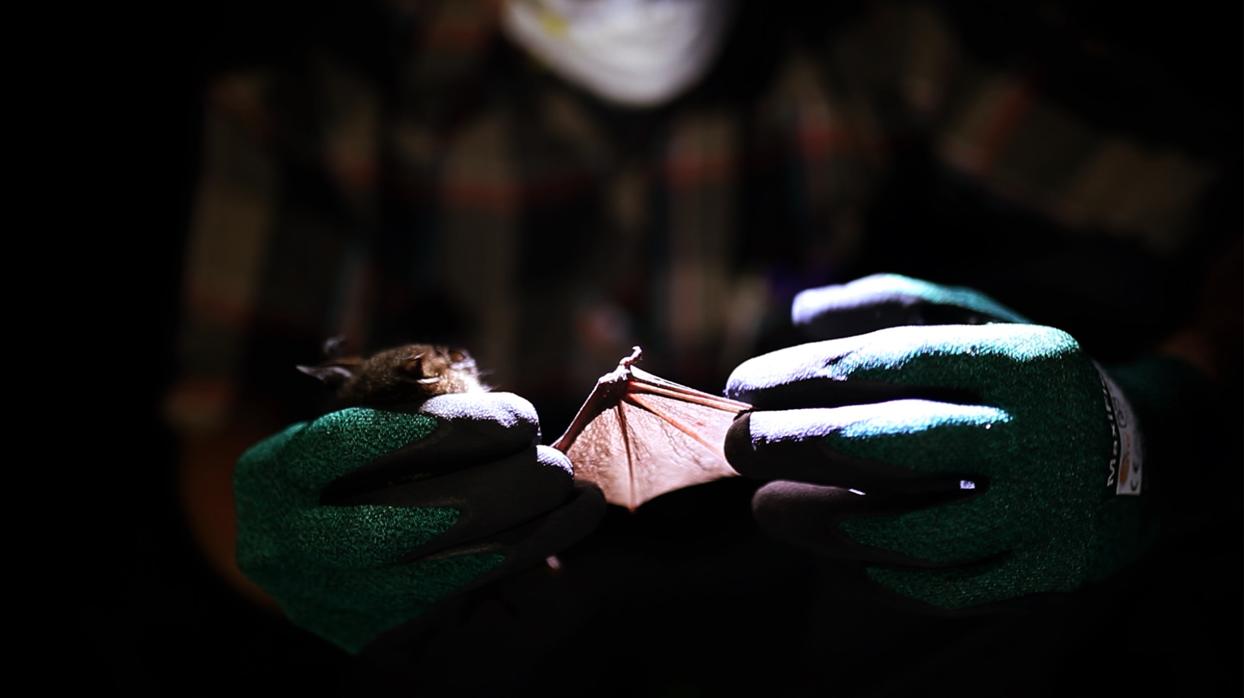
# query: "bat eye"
[458,357]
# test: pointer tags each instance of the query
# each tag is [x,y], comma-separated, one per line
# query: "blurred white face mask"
[632,52]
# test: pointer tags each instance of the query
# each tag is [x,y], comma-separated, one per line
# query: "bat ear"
[334,346]
[333,375]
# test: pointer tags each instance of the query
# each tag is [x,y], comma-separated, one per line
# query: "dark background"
[161,622]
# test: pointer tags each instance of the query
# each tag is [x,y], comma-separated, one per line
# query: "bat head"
[406,374]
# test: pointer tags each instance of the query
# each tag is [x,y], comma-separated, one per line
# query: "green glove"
[963,464]
[362,520]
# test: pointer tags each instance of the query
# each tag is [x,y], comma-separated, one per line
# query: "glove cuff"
[1162,396]
[1127,457]
[1170,399]
[1160,388]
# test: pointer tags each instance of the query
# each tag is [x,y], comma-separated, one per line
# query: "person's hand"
[362,520]
[963,464]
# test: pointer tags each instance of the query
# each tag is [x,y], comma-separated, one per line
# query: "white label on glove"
[1127,454]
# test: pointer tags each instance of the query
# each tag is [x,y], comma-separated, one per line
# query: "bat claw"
[636,352]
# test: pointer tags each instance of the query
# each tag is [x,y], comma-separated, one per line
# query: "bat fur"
[405,375]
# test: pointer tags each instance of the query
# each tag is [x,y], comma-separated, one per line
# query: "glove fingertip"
[738,448]
[507,409]
[553,458]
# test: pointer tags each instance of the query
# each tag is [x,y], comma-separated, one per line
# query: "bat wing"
[639,436]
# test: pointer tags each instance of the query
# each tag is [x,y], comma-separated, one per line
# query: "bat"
[405,376]
[638,436]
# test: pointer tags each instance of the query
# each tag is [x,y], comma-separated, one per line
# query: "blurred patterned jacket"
[462,193]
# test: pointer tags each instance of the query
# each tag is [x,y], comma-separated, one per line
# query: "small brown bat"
[405,375]
[637,436]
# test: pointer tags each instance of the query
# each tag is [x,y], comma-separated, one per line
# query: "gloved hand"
[362,519]
[964,464]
